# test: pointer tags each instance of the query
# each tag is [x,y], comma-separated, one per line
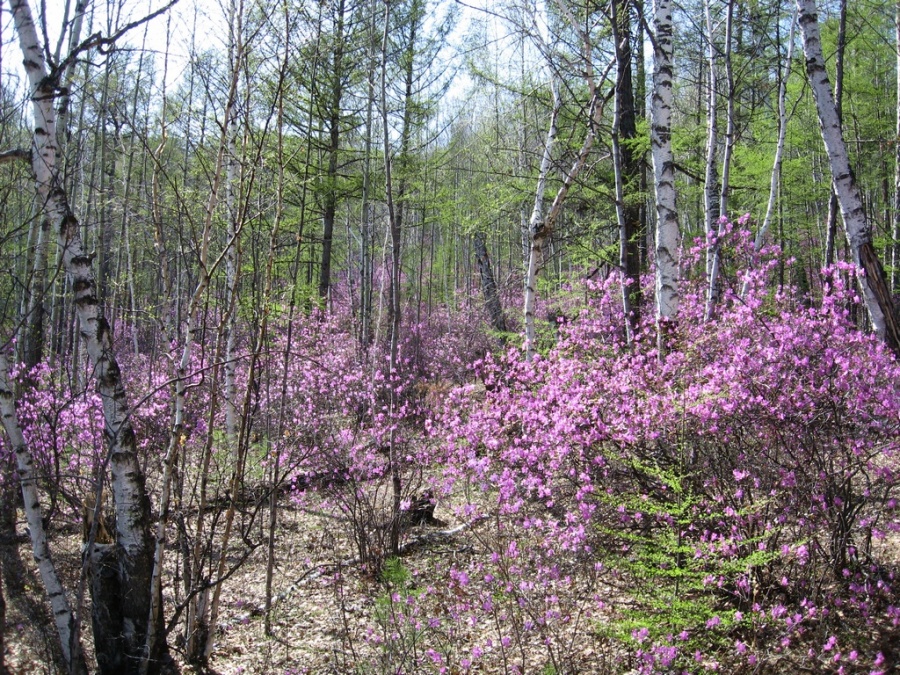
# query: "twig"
[15,155]
[318,570]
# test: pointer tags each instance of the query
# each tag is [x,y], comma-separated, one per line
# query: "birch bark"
[875,291]
[131,502]
[711,203]
[831,223]
[779,147]
[537,231]
[62,611]
[667,232]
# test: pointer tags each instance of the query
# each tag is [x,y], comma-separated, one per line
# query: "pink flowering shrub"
[738,490]
[332,412]
[62,419]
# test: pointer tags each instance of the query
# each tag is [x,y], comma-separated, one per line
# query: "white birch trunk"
[667,233]
[715,251]
[131,502]
[711,203]
[537,232]
[779,148]
[62,611]
[728,150]
[233,252]
[711,180]
[859,235]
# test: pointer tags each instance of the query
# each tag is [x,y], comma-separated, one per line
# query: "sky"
[201,21]
[200,25]
[110,16]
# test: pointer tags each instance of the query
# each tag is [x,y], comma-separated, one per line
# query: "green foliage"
[678,578]
[640,144]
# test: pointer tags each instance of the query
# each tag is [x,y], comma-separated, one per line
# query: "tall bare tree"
[667,232]
[875,291]
[626,165]
[132,505]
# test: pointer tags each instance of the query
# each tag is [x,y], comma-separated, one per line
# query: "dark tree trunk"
[337,92]
[631,235]
[106,615]
[489,285]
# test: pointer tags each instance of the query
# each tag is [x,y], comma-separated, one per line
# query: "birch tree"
[718,206]
[711,204]
[132,505]
[857,229]
[63,617]
[840,51]
[667,233]
[537,227]
[779,144]
[895,231]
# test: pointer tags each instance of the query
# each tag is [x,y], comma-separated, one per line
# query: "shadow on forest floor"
[28,618]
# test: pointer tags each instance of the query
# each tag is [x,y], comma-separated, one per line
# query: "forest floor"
[322,622]
[334,618]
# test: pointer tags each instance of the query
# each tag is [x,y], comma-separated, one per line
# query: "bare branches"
[101,43]
[10,156]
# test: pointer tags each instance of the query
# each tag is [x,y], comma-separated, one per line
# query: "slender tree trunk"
[546,226]
[537,230]
[640,104]
[126,200]
[874,286]
[238,472]
[626,168]
[334,144]
[233,198]
[394,218]
[62,612]
[712,205]
[717,206]
[728,150]
[107,174]
[366,229]
[489,285]
[181,375]
[895,231]
[779,147]
[831,224]
[131,502]
[667,234]
[279,212]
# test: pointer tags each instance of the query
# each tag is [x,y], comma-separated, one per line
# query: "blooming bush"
[738,491]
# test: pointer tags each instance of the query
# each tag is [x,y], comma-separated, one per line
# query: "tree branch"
[97,39]
[13,155]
